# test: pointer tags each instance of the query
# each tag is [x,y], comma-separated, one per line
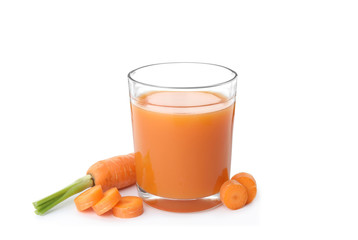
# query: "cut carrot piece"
[249,182]
[116,172]
[233,194]
[110,199]
[89,198]
[128,207]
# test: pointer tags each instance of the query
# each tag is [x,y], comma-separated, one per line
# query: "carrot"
[110,199]
[233,194]
[249,182]
[89,198]
[128,207]
[116,172]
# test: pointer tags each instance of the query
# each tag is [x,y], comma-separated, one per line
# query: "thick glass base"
[179,205]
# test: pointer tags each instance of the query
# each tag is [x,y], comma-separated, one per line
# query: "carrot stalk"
[45,204]
[55,195]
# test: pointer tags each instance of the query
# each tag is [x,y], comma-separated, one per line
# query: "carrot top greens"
[45,204]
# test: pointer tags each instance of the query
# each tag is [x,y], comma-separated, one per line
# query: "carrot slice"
[233,194]
[249,182]
[128,207]
[88,198]
[110,199]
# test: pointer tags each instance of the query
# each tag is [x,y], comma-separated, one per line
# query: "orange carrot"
[128,207]
[110,199]
[116,172]
[249,182]
[89,198]
[233,194]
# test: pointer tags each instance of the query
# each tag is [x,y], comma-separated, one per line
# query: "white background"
[64,105]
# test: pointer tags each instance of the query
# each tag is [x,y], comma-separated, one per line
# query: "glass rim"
[195,87]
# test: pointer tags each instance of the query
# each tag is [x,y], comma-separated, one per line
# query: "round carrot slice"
[110,199]
[88,198]
[233,194]
[249,182]
[128,207]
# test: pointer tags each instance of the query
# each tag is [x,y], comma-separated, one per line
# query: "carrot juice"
[182,141]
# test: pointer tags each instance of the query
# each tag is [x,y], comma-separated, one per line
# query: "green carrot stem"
[51,197]
[45,204]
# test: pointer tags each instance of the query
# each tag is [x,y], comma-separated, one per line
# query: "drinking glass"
[182,119]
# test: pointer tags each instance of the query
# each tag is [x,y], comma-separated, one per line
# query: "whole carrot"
[116,172]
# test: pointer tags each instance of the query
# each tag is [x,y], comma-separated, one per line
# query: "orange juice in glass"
[182,119]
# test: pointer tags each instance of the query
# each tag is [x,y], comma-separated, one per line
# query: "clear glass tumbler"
[182,119]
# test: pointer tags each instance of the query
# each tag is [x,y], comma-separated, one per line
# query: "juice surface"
[182,142]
